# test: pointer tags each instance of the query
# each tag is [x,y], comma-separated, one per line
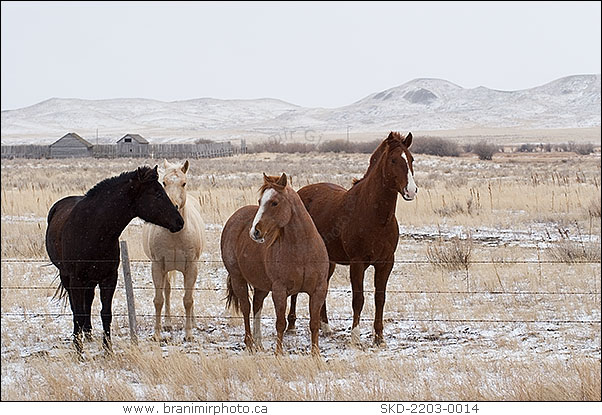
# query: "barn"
[133,145]
[70,145]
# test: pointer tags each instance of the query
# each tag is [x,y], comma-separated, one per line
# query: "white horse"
[179,251]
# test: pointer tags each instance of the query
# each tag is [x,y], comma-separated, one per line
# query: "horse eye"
[274,203]
[393,161]
[183,184]
[164,184]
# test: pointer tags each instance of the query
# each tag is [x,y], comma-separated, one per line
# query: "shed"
[70,145]
[133,145]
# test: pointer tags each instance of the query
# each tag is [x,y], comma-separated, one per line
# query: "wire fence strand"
[388,318]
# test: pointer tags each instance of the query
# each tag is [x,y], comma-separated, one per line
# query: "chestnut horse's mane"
[271,185]
[392,141]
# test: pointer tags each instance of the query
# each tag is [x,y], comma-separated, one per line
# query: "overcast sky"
[315,55]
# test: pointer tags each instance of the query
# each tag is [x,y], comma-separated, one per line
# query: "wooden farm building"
[132,145]
[70,145]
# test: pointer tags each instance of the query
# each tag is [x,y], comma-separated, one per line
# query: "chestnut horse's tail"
[232,300]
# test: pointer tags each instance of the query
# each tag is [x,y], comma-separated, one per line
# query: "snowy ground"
[427,311]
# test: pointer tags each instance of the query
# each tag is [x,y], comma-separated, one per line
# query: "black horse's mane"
[116,181]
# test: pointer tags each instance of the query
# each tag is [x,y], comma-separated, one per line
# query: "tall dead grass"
[147,375]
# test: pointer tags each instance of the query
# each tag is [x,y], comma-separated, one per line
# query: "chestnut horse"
[82,240]
[274,247]
[179,251]
[359,226]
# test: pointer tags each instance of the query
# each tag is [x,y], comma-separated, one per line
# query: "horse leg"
[324,317]
[292,317]
[381,276]
[279,298]
[167,295]
[189,281]
[258,297]
[357,270]
[158,281]
[87,328]
[316,303]
[241,292]
[78,306]
[107,289]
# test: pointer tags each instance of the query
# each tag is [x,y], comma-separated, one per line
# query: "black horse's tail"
[60,294]
[232,301]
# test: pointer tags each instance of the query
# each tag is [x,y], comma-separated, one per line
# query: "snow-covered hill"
[421,104]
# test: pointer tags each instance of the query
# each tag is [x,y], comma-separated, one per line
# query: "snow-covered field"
[531,315]
[515,324]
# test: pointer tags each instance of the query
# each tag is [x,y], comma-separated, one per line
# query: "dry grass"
[435,352]
[452,255]
[188,377]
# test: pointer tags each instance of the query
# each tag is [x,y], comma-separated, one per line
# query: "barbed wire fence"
[129,289]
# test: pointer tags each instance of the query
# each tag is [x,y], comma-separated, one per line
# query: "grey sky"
[318,55]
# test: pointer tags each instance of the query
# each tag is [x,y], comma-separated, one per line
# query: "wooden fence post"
[129,291]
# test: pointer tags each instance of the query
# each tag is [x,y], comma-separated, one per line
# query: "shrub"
[436,146]
[569,251]
[454,255]
[485,150]
[336,146]
[583,149]
[275,146]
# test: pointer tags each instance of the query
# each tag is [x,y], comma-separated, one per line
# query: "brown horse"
[359,226]
[274,247]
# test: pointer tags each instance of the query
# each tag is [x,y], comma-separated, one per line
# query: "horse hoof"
[325,327]
[291,330]
[380,342]
[156,337]
[188,338]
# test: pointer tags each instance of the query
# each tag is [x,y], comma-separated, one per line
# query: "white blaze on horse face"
[265,198]
[411,189]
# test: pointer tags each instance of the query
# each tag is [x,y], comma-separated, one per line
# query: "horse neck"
[117,213]
[375,201]
[301,222]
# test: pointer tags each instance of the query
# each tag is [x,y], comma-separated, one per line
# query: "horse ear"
[147,174]
[391,138]
[408,140]
[282,180]
[165,164]
[267,179]
[185,167]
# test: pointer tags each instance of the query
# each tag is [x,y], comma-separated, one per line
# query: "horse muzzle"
[178,225]
[409,194]
[255,235]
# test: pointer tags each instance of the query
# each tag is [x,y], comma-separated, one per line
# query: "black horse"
[82,240]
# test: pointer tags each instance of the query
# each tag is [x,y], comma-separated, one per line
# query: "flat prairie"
[495,293]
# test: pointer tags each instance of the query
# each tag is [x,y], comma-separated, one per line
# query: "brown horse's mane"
[392,141]
[271,185]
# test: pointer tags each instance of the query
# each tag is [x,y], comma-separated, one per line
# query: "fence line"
[421,262]
[348,291]
[409,320]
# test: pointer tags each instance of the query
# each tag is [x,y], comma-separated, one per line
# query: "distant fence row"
[202,150]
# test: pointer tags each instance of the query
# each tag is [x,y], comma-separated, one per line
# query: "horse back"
[57,217]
